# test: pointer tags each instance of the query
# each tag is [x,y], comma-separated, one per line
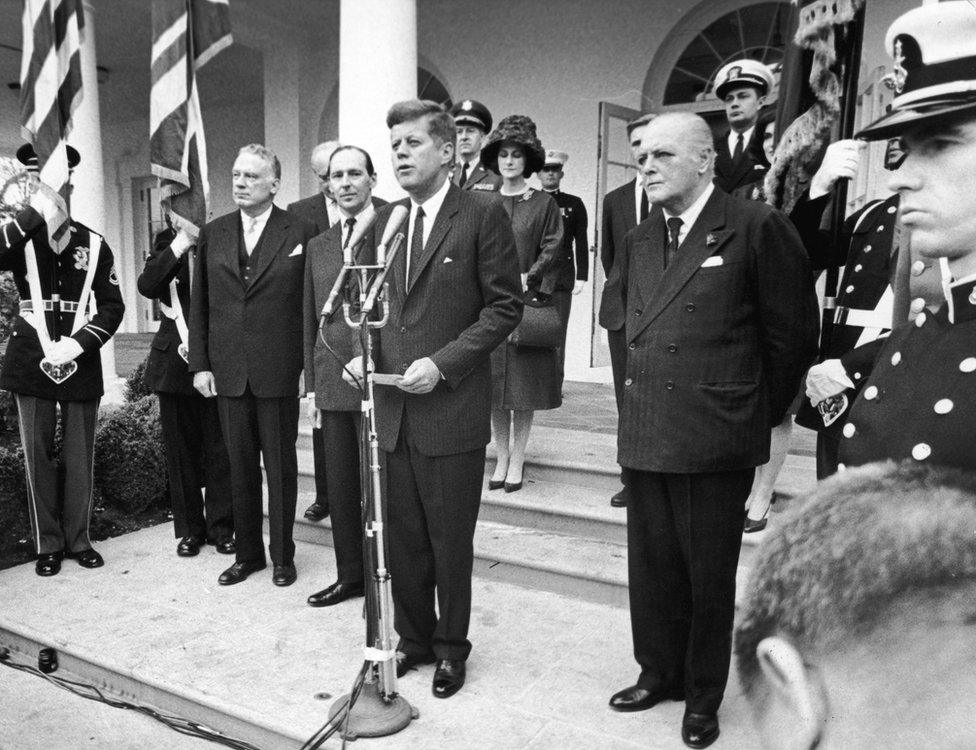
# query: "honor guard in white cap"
[70,306]
[473,122]
[742,86]
[919,396]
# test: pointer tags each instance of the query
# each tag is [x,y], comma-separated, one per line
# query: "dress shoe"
[620,499]
[637,698]
[48,563]
[316,511]
[189,546]
[239,571]
[751,526]
[448,677]
[225,546]
[496,484]
[284,575]
[337,592]
[699,730]
[406,662]
[513,486]
[87,558]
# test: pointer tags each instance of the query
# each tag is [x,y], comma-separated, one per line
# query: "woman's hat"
[519,130]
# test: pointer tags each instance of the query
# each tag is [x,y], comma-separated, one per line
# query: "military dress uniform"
[195,452]
[572,266]
[920,400]
[59,512]
[868,249]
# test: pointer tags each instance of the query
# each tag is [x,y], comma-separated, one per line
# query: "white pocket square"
[296,251]
[712,261]
[448,260]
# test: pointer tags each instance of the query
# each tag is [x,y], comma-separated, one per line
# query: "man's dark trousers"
[672,520]
[266,428]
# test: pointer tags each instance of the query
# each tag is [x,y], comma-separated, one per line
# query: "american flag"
[50,84]
[186,35]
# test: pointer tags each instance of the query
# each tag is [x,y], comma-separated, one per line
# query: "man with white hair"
[721,324]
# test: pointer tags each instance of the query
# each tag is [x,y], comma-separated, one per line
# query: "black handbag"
[541,326]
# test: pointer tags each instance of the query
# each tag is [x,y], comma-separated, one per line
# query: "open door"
[614,168]
[148,221]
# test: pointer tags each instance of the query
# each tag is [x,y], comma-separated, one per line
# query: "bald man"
[721,323]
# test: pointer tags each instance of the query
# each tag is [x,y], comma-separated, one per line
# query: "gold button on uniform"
[849,430]
[920,320]
[871,392]
[921,451]
[943,406]
[968,364]
[896,358]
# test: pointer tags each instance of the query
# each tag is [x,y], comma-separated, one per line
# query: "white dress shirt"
[690,214]
[734,138]
[638,192]
[431,208]
[253,227]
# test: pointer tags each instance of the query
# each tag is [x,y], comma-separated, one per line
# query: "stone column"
[88,198]
[377,67]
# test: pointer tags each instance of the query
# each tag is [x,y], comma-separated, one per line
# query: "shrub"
[130,465]
[135,385]
[14,519]
[9,304]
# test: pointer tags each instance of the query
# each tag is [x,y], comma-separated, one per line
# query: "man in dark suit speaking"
[246,349]
[454,296]
[721,323]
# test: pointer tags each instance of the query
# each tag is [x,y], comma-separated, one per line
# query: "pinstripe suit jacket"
[716,348]
[465,301]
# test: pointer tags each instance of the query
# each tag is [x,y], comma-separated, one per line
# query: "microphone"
[398,215]
[359,231]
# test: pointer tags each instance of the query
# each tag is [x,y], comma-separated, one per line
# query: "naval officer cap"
[556,158]
[471,112]
[934,52]
[745,72]
[28,157]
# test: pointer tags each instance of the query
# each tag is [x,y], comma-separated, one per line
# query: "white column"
[377,67]
[282,117]
[88,198]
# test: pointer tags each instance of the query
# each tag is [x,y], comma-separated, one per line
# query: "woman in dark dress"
[524,379]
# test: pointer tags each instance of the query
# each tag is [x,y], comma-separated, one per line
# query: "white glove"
[578,286]
[840,162]
[63,351]
[827,379]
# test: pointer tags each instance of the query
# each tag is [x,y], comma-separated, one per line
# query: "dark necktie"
[416,245]
[644,207]
[350,223]
[739,145]
[464,174]
[674,229]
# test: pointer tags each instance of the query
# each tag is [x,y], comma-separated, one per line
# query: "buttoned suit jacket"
[752,167]
[479,179]
[619,217]
[250,334]
[323,371]
[314,210]
[465,300]
[166,370]
[715,352]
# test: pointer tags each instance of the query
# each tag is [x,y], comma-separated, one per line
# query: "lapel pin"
[710,240]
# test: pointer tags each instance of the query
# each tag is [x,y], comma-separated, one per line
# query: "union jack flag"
[186,35]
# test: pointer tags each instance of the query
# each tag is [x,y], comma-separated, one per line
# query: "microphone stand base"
[371,715]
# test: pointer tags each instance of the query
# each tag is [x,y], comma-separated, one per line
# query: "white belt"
[849,316]
[27,306]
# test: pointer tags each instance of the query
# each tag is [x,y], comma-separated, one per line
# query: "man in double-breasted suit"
[623,209]
[454,296]
[246,349]
[721,323]
[196,456]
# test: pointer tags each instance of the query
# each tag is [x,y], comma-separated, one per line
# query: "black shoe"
[406,662]
[496,484]
[239,571]
[620,499]
[316,511]
[699,730]
[448,677]
[189,546]
[337,592]
[284,575]
[225,546]
[512,487]
[48,563]
[87,558]
[750,526]
[636,698]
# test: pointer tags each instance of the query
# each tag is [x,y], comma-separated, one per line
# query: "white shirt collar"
[431,206]
[259,221]
[472,165]
[690,215]
[638,192]
[364,214]
[746,137]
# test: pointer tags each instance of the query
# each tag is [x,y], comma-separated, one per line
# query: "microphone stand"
[377,710]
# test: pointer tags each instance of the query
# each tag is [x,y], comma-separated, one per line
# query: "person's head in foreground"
[859,625]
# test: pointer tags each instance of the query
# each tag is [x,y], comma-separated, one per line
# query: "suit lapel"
[272,238]
[229,245]
[706,237]
[627,208]
[445,217]
[648,261]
